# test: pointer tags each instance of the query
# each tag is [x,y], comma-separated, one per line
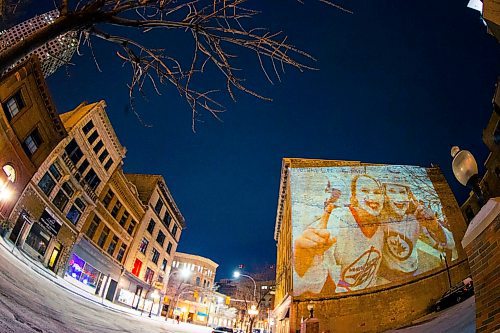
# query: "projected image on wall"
[355,228]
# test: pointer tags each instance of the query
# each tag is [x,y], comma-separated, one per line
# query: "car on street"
[221,329]
[455,295]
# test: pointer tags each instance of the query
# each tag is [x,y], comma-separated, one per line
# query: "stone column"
[482,245]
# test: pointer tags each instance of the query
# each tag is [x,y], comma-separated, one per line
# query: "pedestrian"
[177,318]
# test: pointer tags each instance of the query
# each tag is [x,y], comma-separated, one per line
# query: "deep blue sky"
[398,82]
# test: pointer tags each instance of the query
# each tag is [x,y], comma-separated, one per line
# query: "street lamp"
[253,311]
[237,274]
[310,307]
[154,296]
[465,170]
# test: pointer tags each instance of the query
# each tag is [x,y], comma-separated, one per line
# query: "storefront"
[92,270]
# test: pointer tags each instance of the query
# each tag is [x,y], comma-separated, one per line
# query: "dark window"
[103,155]
[131,227]
[68,189]
[14,105]
[160,238]
[164,264]
[116,209]
[169,247]
[148,277]
[93,227]
[144,245]
[55,172]
[83,167]
[46,184]
[174,230]
[121,252]
[92,179]
[32,142]
[151,226]
[167,219]
[74,152]
[112,246]
[108,164]
[158,206]
[496,135]
[156,256]
[60,200]
[98,146]
[198,281]
[76,211]
[102,238]
[124,218]
[469,213]
[93,137]
[86,129]
[107,198]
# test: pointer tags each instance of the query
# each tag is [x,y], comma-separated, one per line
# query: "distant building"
[490,182]
[383,235]
[155,242]
[29,129]
[192,294]
[52,54]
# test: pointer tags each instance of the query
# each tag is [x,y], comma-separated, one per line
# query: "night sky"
[398,82]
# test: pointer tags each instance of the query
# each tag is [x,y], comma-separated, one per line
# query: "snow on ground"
[34,300]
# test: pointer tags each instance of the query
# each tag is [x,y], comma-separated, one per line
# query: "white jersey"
[352,262]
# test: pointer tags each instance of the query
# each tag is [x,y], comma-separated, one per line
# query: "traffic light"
[195,294]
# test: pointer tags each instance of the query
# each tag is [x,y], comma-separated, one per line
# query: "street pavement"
[33,299]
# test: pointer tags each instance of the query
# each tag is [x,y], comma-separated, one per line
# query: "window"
[144,246]
[156,256]
[76,211]
[74,152]
[68,189]
[32,142]
[169,247]
[49,180]
[93,137]
[112,246]
[92,179]
[174,230]
[83,167]
[116,209]
[198,281]
[107,198]
[46,184]
[98,146]
[108,164]
[158,206]
[148,277]
[121,252]
[103,155]
[167,219]
[86,129]
[160,238]
[131,227]
[60,200]
[93,227]
[14,105]
[164,265]
[151,226]
[137,267]
[102,238]
[124,218]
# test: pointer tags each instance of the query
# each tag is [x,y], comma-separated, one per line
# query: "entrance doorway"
[111,290]
[54,257]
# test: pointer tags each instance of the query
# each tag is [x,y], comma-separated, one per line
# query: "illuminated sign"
[359,227]
[50,223]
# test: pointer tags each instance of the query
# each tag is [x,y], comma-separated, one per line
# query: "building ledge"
[482,220]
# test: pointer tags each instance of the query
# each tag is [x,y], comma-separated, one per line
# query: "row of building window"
[115,211]
[192,267]
[143,247]
[104,235]
[166,219]
[98,146]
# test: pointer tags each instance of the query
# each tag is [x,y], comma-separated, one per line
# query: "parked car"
[221,329]
[456,294]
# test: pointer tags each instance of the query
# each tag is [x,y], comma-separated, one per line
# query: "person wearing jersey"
[341,250]
[407,219]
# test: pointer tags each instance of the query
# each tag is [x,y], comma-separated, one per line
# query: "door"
[111,290]
[54,257]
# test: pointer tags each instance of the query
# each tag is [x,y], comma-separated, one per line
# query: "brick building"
[368,295]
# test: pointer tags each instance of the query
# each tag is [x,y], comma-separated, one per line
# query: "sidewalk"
[42,271]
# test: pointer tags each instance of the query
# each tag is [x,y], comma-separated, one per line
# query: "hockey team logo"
[361,272]
[398,245]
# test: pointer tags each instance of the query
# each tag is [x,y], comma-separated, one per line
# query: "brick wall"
[484,259]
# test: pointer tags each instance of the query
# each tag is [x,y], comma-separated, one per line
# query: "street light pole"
[237,274]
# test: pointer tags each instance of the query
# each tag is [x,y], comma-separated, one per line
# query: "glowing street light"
[253,311]
[237,274]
